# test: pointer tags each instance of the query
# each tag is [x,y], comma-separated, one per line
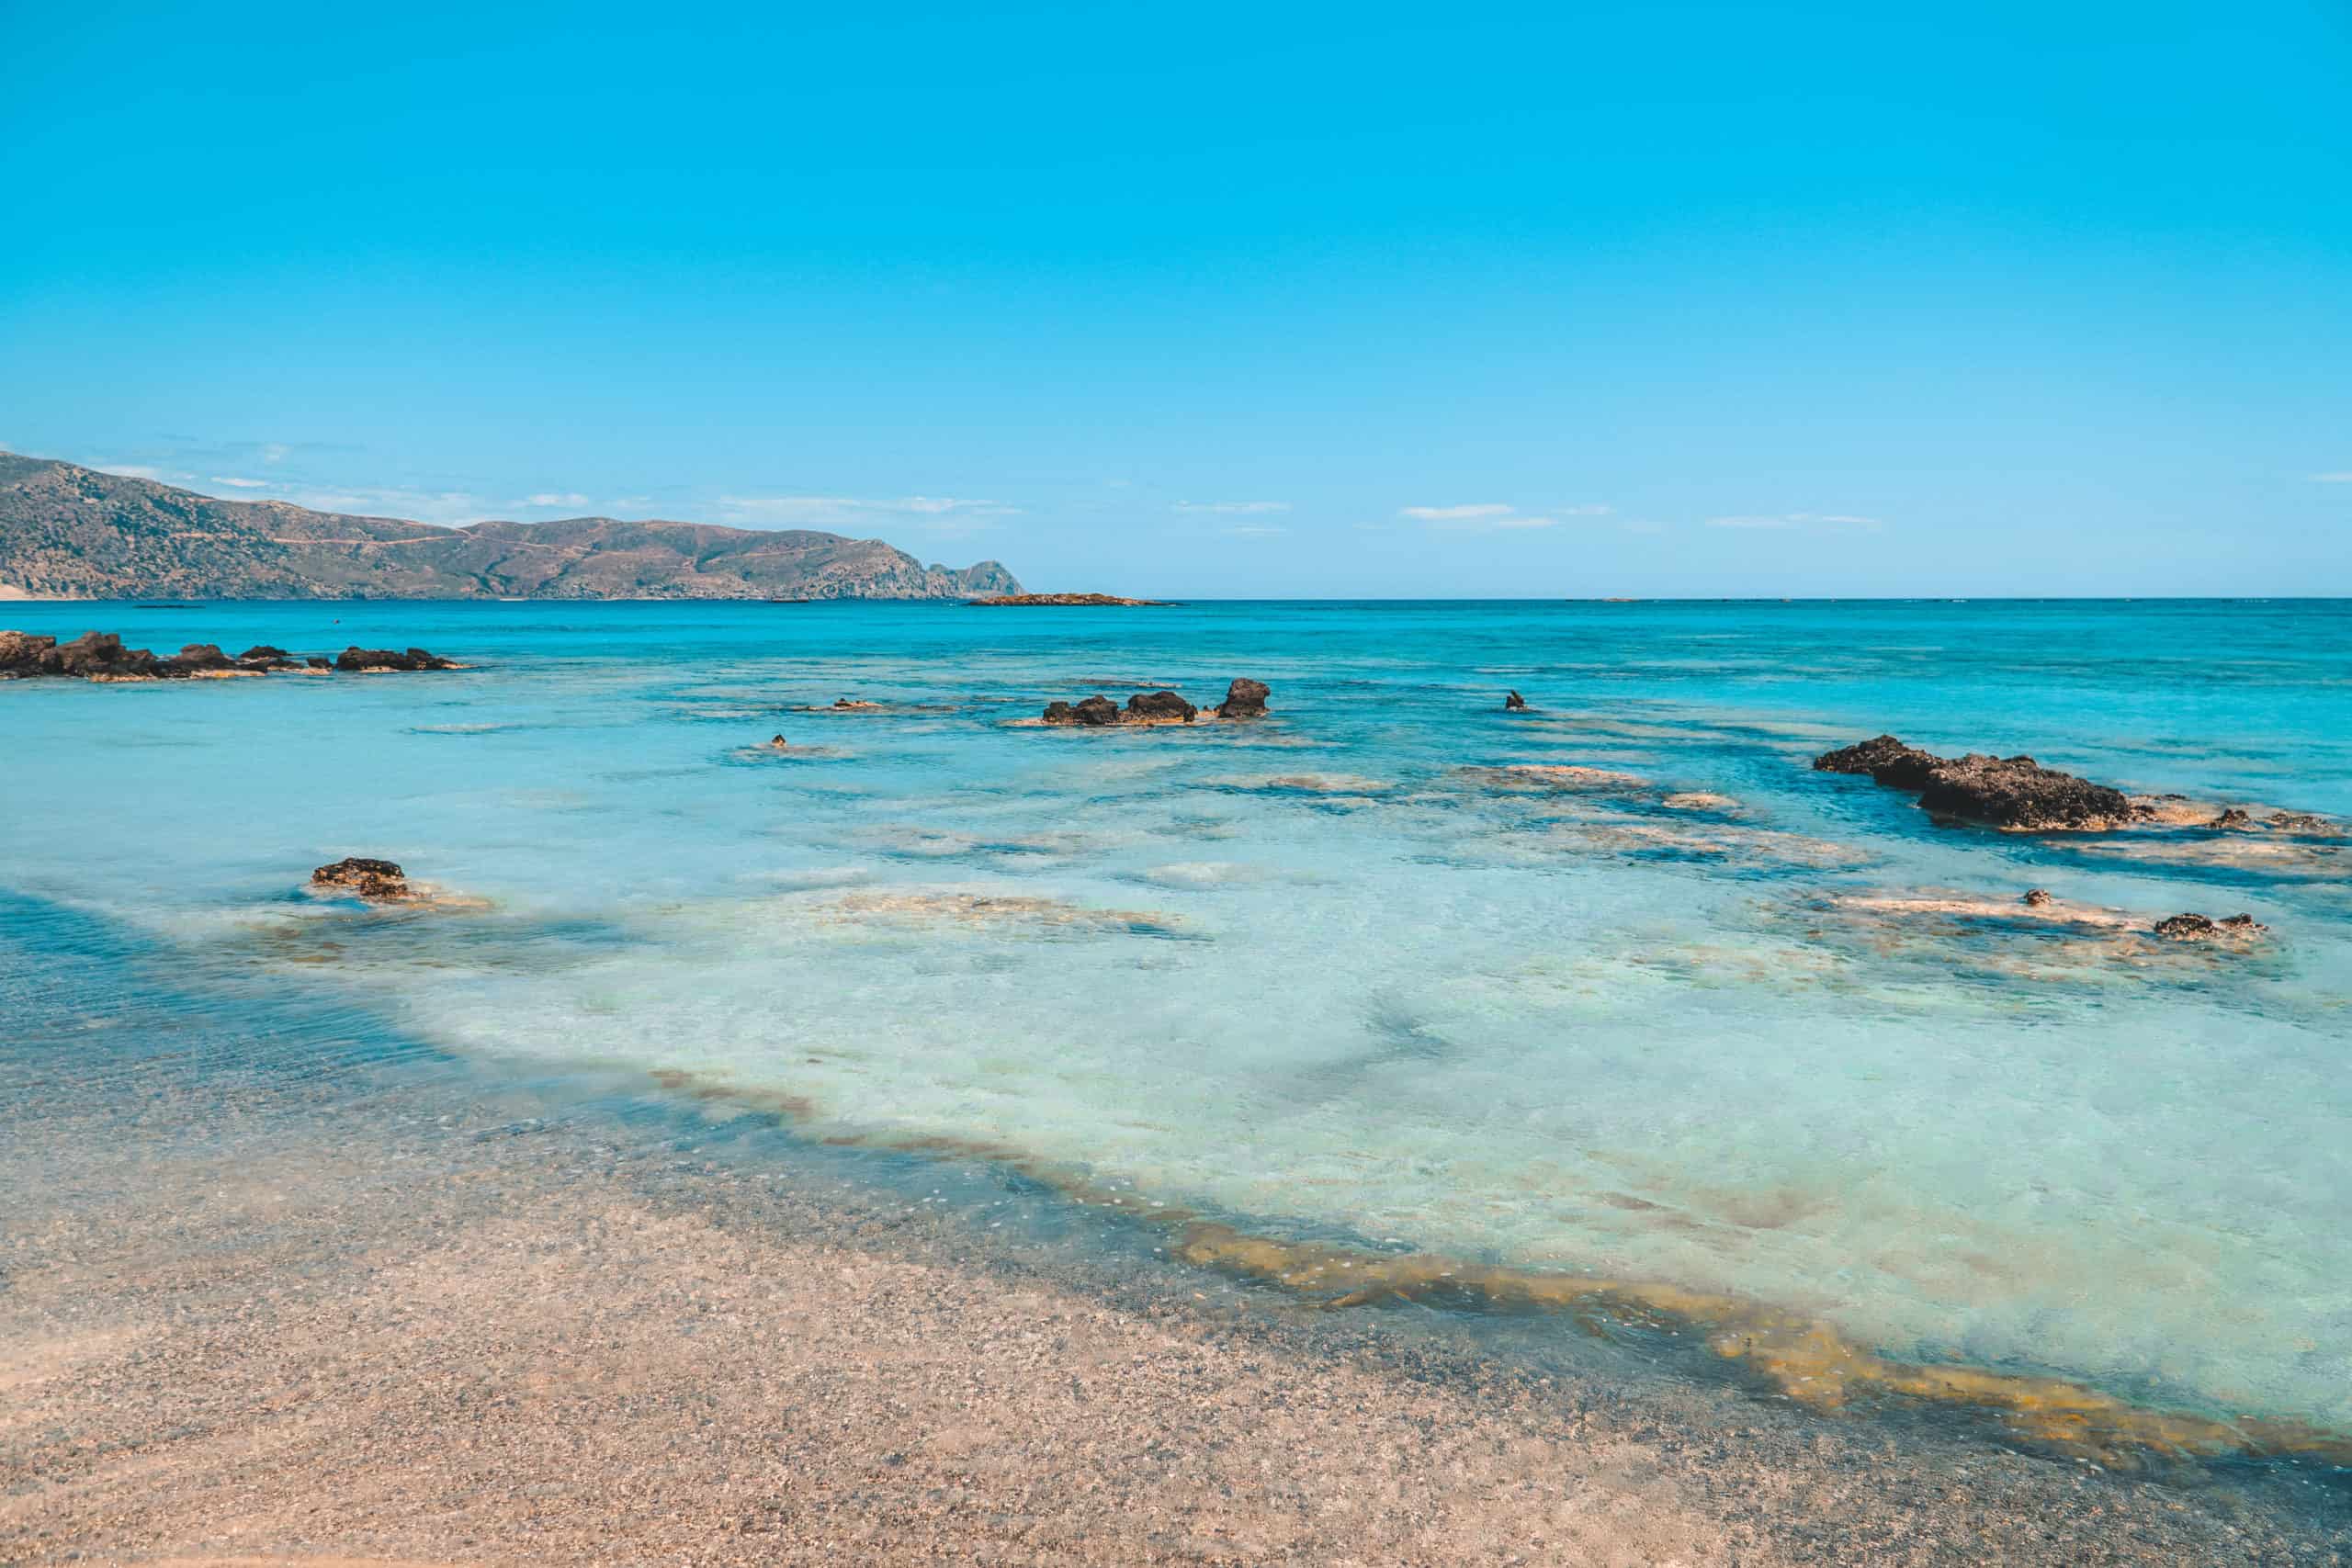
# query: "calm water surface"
[1331,974]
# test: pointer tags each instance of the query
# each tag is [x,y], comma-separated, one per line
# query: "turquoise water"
[1704,1018]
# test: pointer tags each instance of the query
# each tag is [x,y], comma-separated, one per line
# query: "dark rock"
[373,879]
[1095,710]
[262,651]
[316,662]
[23,654]
[1513,702]
[1886,760]
[102,654]
[2017,792]
[2038,897]
[1160,705]
[1244,699]
[1059,713]
[198,656]
[779,741]
[2198,928]
[2302,822]
[389,658]
[2236,817]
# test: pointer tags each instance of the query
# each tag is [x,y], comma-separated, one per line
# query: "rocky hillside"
[73,532]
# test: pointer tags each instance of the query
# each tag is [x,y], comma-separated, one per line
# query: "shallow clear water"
[1329,974]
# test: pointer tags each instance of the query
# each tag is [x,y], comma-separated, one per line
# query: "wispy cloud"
[129,470]
[2338,479]
[1455,514]
[1796,520]
[1232,508]
[1253,531]
[945,516]
[1478,517]
[552,498]
[239,484]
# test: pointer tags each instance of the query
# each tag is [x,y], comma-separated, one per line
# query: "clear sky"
[1210,299]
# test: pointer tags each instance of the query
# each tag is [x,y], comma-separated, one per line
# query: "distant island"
[1084,599]
[68,532]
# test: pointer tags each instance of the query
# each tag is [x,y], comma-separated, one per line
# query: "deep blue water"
[1700,1016]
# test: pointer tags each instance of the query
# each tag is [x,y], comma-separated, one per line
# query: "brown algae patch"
[1698,800]
[986,909]
[1801,1358]
[1536,776]
[2294,858]
[1632,835]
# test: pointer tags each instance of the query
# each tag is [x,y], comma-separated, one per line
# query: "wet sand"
[273,1323]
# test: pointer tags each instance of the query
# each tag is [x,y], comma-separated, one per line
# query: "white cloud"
[1485,515]
[553,498]
[1795,520]
[1254,531]
[2343,479]
[812,510]
[129,470]
[239,484]
[1455,514]
[1232,508]
[275,452]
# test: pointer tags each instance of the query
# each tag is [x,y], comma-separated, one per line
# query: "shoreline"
[299,1319]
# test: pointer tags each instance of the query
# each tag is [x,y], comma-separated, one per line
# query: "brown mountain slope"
[73,533]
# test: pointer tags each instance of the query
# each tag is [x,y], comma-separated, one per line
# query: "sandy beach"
[270,1324]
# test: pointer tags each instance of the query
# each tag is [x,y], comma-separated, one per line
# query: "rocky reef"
[377,881]
[2201,927]
[1068,599]
[101,656]
[1244,698]
[2014,793]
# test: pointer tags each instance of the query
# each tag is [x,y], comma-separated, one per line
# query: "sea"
[1612,1008]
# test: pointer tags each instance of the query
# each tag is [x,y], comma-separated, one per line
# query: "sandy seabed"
[273,1323]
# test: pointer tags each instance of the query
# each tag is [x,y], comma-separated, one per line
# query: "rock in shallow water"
[378,880]
[2000,792]
[2200,928]
[390,659]
[1244,699]
[1160,705]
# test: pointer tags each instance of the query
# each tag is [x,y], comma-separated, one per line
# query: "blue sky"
[1243,300]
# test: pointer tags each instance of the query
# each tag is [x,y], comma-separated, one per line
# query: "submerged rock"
[390,659]
[2200,928]
[779,742]
[2236,817]
[377,880]
[1514,703]
[2038,898]
[1244,699]
[1162,705]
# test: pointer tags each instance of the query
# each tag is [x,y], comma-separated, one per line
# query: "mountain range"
[68,532]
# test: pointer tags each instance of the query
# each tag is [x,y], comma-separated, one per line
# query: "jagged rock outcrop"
[1999,792]
[377,881]
[73,532]
[101,656]
[1514,703]
[1244,698]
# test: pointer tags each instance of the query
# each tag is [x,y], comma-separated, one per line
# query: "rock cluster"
[1244,698]
[390,659]
[379,881]
[101,656]
[2000,792]
[1514,703]
[2200,928]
